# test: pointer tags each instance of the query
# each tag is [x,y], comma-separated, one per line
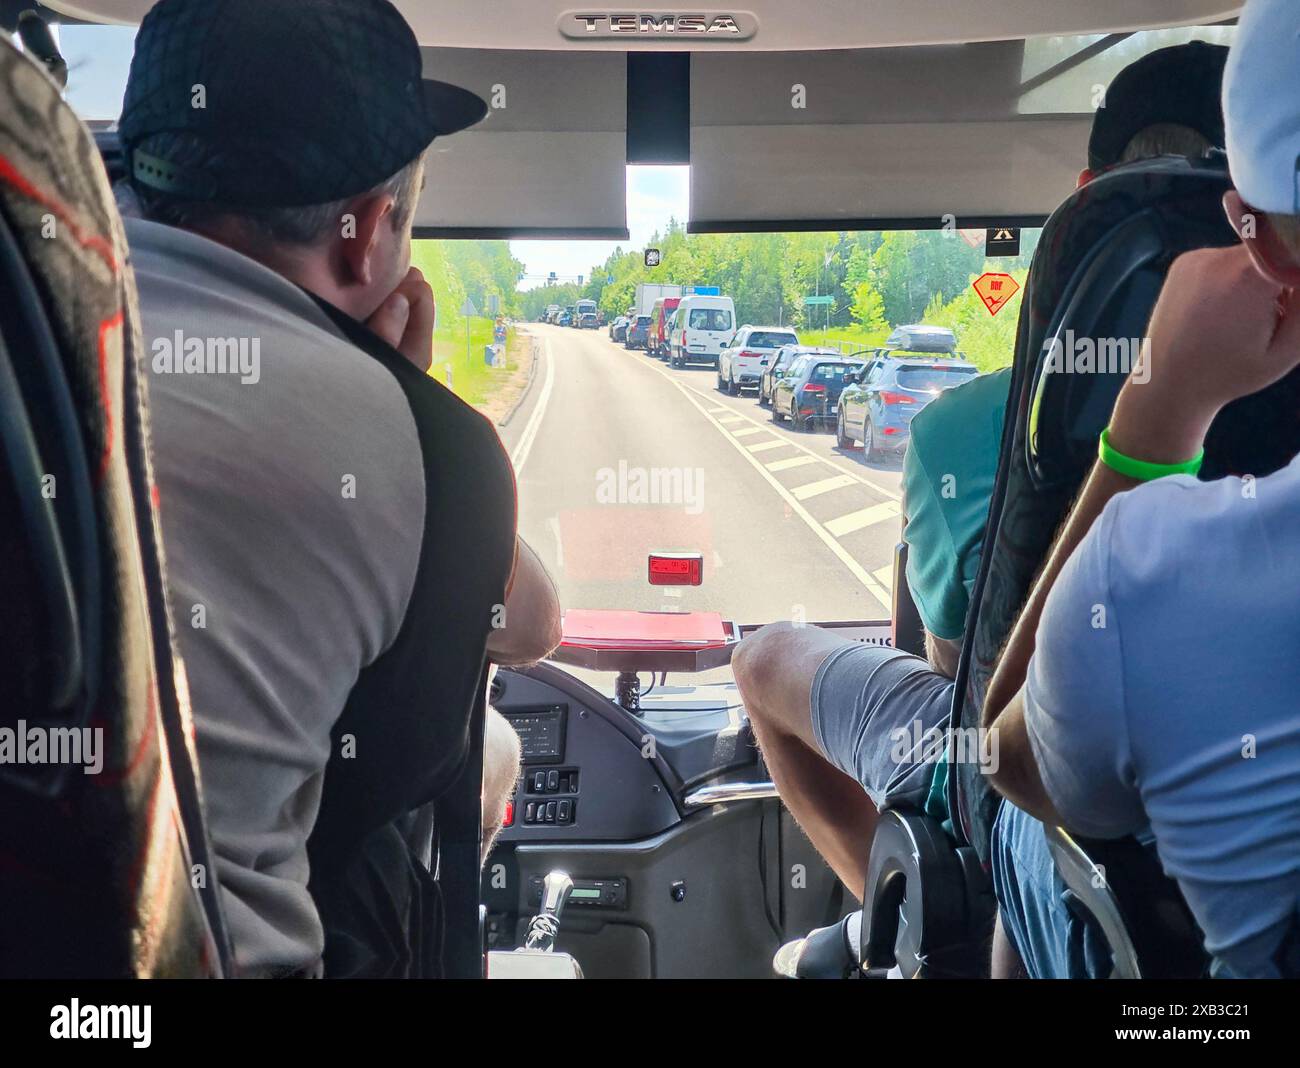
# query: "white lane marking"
[553,524]
[856,569]
[794,461]
[763,446]
[732,418]
[719,409]
[885,576]
[884,491]
[525,443]
[745,431]
[824,485]
[863,517]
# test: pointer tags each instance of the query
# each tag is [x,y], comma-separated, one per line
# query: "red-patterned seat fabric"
[103,874]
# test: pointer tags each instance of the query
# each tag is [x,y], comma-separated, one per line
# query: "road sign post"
[469,311]
[825,301]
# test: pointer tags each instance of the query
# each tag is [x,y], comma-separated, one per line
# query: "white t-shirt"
[1165,690]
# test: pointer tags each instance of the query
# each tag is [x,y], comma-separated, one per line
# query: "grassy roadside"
[471,379]
[492,390]
[466,373]
[846,338]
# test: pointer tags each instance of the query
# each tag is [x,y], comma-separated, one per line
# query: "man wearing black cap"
[339,528]
[1164,104]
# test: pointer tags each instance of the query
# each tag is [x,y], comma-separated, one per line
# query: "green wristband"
[1141,469]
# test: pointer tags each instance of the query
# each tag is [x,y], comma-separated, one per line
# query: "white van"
[701,329]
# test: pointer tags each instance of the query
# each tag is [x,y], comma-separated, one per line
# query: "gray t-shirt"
[292,496]
[1165,689]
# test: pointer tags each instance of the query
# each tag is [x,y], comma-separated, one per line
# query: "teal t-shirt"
[948,475]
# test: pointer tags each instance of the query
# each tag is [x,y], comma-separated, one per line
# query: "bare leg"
[500,772]
[1006,962]
[774,670]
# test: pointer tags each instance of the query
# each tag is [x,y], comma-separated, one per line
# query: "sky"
[99,57]
[654,195]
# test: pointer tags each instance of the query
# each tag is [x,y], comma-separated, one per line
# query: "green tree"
[914,266]
[869,309]
[988,341]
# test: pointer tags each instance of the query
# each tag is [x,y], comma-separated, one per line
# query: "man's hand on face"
[405,319]
[1220,331]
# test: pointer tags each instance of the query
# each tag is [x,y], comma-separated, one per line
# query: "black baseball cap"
[1182,84]
[280,103]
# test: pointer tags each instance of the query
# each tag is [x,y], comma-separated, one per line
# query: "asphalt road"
[618,455]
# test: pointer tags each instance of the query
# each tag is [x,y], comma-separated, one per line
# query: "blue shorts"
[1052,941]
[879,715]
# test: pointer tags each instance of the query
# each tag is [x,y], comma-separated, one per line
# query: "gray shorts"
[876,714]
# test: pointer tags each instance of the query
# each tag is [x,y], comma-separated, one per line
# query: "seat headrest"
[1090,306]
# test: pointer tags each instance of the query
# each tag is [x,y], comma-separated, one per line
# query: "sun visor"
[882,138]
[549,160]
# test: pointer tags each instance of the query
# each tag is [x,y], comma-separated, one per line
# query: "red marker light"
[676,569]
[510,814]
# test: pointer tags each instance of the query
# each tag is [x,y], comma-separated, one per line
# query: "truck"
[648,292]
[656,341]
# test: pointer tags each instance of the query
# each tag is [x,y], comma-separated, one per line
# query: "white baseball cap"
[1261,106]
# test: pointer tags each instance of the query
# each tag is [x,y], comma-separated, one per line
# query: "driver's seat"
[106,874]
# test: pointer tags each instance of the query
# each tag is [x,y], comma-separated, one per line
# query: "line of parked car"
[870,396]
[585,315]
[692,329]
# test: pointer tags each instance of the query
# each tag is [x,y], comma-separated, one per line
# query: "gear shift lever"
[544,927]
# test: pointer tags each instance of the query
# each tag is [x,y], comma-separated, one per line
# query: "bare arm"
[530,624]
[1219,331]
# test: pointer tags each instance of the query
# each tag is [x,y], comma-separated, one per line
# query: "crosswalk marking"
[744,431]
[794,461]
[708,397]
[824,485]
[864,517]
[885,576]
[763,446]
[729,419]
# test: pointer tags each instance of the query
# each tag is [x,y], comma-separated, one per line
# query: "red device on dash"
[676,569]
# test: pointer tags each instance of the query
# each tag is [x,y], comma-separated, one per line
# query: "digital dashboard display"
[541,732]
